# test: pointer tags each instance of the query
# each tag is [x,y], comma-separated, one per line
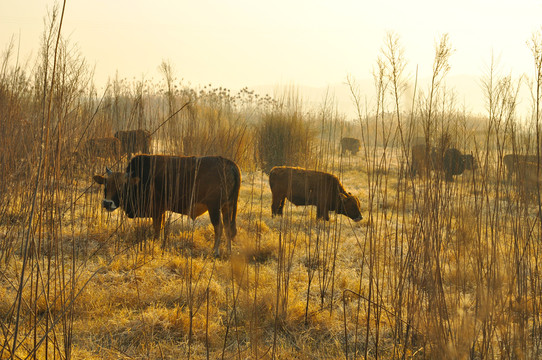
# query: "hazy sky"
[238,43]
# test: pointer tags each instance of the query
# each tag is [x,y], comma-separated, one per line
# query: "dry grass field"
[435,270]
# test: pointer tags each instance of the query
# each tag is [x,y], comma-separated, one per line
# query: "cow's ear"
[134,180]
[99,179]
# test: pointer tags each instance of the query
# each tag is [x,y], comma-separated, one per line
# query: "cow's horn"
[108,171]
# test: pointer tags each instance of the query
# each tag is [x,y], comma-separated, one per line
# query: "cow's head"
[470,162]
[349,205]
[116,188]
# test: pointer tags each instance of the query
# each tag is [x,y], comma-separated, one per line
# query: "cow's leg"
[278,204]
[214,214]
[157,221]
[322,212]
[229,224]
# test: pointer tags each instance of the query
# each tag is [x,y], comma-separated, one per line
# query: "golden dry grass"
[138,299]
[435,270]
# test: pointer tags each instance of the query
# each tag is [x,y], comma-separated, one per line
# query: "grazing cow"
[515,164]
[309,187]
[451,161]
[134,141]
[350,144]
[107,147]
[154,184]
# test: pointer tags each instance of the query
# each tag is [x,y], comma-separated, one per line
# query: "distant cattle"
[107,148]
[308,187]
[515,164]
[350,144]
[134,141]
[154,184]
[450,161]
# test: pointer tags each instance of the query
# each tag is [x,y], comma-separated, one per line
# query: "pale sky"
[237,43]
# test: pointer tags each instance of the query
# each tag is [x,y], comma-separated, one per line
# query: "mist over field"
[444,168]
[468,91]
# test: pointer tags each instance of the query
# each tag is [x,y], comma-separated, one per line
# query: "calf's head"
[349,205]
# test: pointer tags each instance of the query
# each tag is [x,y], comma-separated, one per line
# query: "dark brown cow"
[451,162]
[515,164]
[309,187]
[350,144]
[107,147]
[154,184]
[134,141]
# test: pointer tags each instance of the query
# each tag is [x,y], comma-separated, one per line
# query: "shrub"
[284,139]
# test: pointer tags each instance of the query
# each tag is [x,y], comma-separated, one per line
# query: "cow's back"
[177,182]
[303,187]
[106,147]
[134,141]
